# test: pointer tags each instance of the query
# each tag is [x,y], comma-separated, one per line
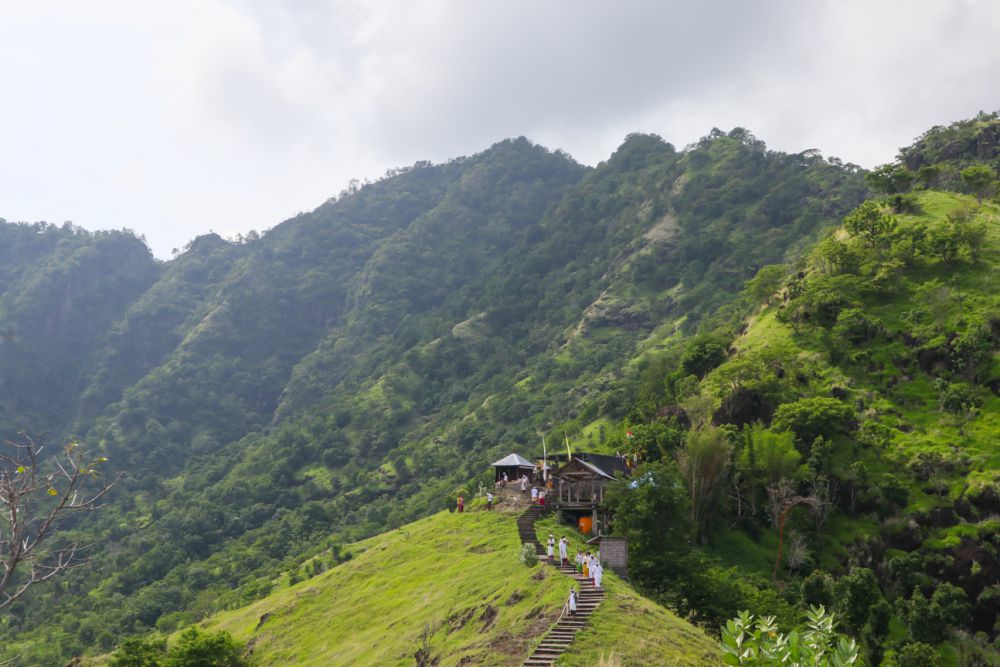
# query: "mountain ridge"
[354,367]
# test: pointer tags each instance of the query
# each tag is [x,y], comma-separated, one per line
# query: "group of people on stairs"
[590,567]
[586,564]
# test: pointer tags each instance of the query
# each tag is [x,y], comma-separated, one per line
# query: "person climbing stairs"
[560,636]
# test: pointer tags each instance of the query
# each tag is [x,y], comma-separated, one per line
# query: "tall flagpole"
[545,461]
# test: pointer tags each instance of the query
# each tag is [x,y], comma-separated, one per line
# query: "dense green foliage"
[193,648]
[861,404]
[355,367]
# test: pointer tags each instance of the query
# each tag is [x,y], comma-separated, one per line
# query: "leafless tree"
[36,496]
[780,503]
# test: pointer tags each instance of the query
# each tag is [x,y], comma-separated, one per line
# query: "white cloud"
[179,117]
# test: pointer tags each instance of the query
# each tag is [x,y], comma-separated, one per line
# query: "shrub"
[201,649]
[916,654]
[745,642]
[527,556]
[137,652]
[810,418]
[703,354]
[903,203]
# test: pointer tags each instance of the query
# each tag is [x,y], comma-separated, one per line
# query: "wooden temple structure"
[575,483]
[580,482]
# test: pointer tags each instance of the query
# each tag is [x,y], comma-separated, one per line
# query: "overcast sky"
[174,118]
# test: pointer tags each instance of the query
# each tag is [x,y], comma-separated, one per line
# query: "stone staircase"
[526,528]
[561,635]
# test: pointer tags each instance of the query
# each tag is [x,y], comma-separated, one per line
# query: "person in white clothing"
[552,546]
[598,575]
[534,494]
[524,483]
[563,555]
[572,601]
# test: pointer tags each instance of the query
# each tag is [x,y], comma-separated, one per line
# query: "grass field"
[450,584]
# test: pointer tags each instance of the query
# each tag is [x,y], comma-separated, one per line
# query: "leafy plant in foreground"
[746,642]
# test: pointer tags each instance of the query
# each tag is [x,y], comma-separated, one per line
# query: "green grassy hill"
[451,582]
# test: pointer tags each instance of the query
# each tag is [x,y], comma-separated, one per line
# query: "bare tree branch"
[35,497]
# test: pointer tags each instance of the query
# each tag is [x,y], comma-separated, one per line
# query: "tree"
[914,654]
[763,286]
[871,224]
[980,180]
[703,465]
[810,418]
[928,175]
[651,509]
[703,354]
[855,594]
[767,457]
[889,179]
[972,348]
[37,497]
[854,325]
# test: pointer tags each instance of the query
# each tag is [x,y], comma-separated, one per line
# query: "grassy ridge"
[457,578]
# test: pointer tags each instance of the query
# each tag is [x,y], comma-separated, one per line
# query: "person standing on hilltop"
[489,500]
[524,483]
[534,494]
[461,503]
[504,481]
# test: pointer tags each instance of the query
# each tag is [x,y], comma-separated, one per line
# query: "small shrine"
[515,466]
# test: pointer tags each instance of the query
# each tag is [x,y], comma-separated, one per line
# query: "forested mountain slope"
[844,421]
[348,370]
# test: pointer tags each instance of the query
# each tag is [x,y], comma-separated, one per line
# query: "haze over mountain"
[354,367]
[191,116]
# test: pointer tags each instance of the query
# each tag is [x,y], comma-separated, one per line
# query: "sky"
[177,118]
